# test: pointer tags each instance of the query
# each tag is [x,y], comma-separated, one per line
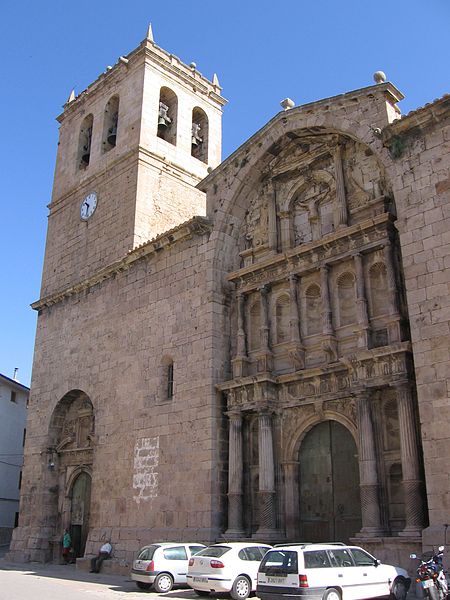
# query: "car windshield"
[214,551]
[146,553]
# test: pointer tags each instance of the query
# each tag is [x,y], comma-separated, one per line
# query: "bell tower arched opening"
[330,508]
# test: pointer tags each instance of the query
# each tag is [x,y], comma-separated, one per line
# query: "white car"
[328,572]
[163,565]
[229,567]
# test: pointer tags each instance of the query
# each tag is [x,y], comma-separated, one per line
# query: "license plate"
[139,566]
[200,579]
[276,580]
[427,583]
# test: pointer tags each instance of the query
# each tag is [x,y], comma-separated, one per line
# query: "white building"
[13,417]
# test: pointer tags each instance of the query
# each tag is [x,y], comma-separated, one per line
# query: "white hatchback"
[163,565]
[229,567]
[328,572]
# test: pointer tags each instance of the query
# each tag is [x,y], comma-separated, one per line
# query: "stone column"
[240,360]
[266,494]
[361,303]
[329,344]
[394,326]
[409,447]
[341,218]
[368,472]
[295,349]
[291,496]
[285,229]
[272,216]
[235,476]
[264,356]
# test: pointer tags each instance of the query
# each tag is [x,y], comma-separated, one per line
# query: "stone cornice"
[421,118]
[350,376]
[89,182]
[333,248]
[195,226]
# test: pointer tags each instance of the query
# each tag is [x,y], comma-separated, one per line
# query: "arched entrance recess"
[330,508]
[71,448]
[80,504]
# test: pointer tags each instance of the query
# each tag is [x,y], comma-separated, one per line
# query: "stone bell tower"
[132,148]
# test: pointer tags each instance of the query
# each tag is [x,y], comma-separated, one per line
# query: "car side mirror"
[377,562]
[413,556]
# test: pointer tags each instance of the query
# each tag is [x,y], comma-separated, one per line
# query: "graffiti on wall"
[145,474]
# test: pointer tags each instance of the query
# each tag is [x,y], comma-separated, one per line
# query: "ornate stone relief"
[78,427]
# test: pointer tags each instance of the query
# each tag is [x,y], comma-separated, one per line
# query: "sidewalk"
[68,572]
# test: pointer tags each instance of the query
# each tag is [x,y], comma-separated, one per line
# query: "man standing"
[104,553]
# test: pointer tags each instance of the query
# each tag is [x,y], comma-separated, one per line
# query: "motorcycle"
[431,576]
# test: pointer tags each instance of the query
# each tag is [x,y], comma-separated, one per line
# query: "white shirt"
[106,548]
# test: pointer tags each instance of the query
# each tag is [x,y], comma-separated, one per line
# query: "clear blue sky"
[261,50]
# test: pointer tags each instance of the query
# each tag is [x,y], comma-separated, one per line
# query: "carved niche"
[78,427]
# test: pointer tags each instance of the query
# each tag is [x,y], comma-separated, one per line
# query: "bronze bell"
[162,122]
[112,134]
[86,154]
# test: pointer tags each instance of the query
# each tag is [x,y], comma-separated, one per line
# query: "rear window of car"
[279,561]
[254,553]
[214,551]
[195,549]
[318,559]
[146,553]
[175,553]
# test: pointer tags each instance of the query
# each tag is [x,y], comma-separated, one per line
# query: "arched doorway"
[79,512]
[330,508]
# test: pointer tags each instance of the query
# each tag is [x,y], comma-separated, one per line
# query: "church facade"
[254,348]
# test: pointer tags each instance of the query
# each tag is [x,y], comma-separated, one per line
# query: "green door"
[80,509]
[330,507]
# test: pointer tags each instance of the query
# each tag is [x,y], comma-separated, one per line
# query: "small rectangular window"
[13,396]
[16,520]
[20,479]
[170,381]
[24,437]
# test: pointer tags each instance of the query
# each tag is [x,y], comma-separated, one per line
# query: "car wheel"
[143,586]
[201,592]
[331,594]
[399,590]
[163,583]
[241,588]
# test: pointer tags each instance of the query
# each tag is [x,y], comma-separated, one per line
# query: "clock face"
[88,206]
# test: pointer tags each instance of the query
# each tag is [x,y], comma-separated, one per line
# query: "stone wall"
[420,147]
[155,460]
